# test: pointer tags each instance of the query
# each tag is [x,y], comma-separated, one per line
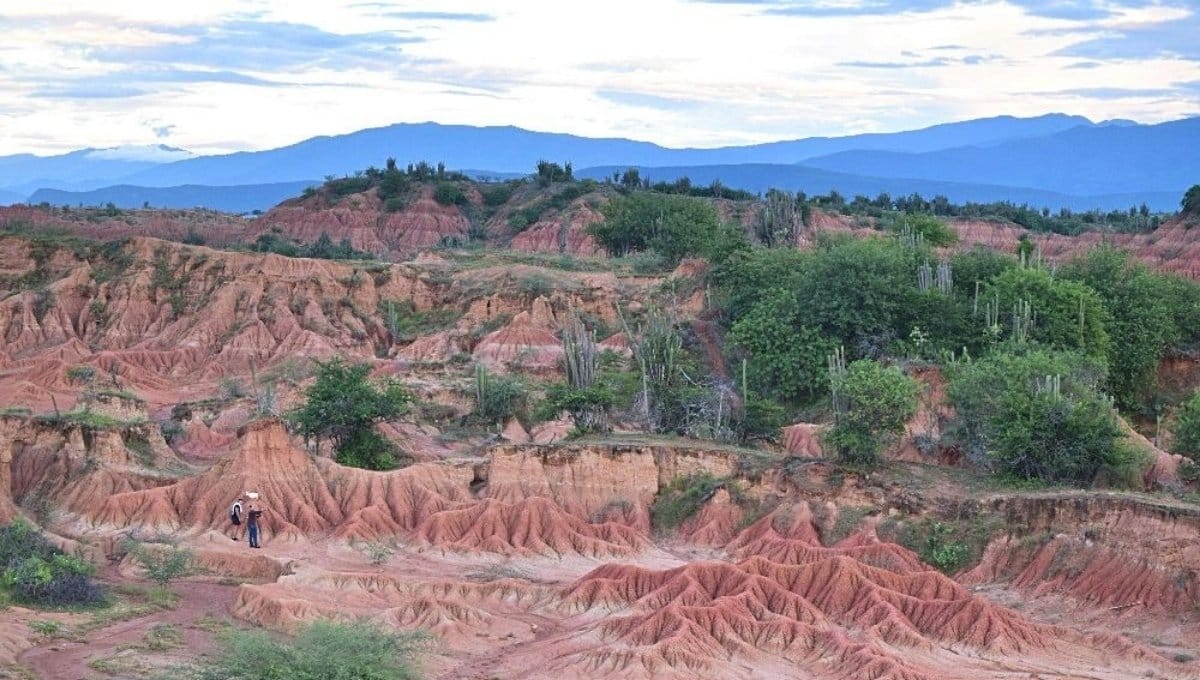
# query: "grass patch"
[162,637]
[682,498]
[123,664]
[950,544]
[321,649]
[847,522]
[498,572]
[88,419]
[46,627]
[405,323]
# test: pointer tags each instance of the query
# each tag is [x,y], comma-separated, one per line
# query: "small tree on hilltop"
[1191,201]
[343,405]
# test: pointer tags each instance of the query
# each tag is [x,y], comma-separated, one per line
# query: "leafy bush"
[761,419]
[1069,314]
[406,323]
[576,401]
[321,650]
[497,195]
[673,226]
[1143,326]
[81,373]
[449,193]
[933,231]
[343,405]
[860,293]
[875,403]
[1038,415]
[786,359]
[498,398]
[1187,428]
[37,573]
[163,564]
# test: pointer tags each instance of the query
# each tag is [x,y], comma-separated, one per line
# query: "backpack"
[235,513]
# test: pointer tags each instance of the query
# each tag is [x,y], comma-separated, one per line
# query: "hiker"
[235,516]
[252,519]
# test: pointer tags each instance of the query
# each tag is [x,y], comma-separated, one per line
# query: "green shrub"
[673,226]
[1039,415]
[932,231]
[498,398]
[81,374]
[1142,326]
[786,359]
[405,323]
[343,405]
[162,564]
[321,650]
[578,402]
[497,195]
[761,419]
[449,193]
[37,573]
[1187,428]
[1069,314]
[873,405]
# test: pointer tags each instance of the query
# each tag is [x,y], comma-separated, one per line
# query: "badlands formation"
[521,552]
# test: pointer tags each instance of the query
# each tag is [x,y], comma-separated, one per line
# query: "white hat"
[251,495]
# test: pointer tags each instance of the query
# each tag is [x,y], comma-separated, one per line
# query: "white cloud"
[225,75]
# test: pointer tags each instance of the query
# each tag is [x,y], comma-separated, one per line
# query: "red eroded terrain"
[142,383]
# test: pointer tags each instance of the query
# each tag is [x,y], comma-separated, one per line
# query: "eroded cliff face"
[547,553]
[1103,549]
[170,321]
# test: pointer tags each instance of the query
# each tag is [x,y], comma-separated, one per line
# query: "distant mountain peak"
[151,153]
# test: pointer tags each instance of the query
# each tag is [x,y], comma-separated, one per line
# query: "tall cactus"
[837,374]
[945,278]
[580,354]
[1022,321]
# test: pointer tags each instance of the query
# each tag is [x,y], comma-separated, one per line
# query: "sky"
[225,75]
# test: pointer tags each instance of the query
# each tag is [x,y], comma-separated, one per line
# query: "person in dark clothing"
[252,519]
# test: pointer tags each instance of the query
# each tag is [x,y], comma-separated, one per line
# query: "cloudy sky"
[225,75]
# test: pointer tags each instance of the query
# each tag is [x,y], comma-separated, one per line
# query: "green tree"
[343,405]
[1191,201]
[673,226]
[1187,428]
[786,360]
[875,404]
[860,293]
[1142,326]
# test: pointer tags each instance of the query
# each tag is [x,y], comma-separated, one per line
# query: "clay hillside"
[550,428]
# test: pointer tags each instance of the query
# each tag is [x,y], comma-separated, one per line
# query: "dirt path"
[68,660]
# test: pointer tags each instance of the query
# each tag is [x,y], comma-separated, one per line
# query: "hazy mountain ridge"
[235,199]
[1053,160]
